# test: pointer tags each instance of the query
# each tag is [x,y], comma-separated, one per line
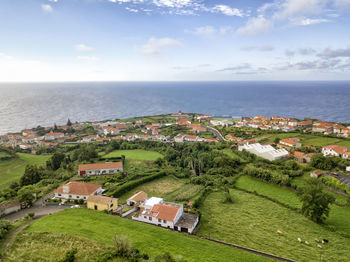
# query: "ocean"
[30,105]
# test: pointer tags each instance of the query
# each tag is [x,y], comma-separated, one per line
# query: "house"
[101,203]
[53,136]
[77,191]
[159,138]
[166,214]
[346,155]
[197,128]
[137,198]
[231,137]
[100,168]
[28,132]
[203,117]
[25,146]
[121,127]
[305,124]
[210,140]
[183,122]
[299,156]
[9,207]
[347,169]
[322,128]
[264,151]
[179,138]
[191,138]
[109,130]
[290,142]
[89,139]
[334,150]
[48,144]
[316,173]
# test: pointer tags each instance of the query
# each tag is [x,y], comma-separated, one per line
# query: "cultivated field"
[148,238]
[11,170]
[135,154]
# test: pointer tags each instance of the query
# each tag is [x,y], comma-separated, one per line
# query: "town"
[164,170]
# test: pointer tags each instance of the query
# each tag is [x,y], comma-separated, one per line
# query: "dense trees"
[315,202]
[32,175]
[328,163]
[55,161]
[84,153]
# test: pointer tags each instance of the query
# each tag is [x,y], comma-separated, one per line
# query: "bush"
[201,197]
[4,227]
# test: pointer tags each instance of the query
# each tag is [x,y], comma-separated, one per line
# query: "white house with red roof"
[165,214]
[53,136]
[77,191]
[334,150]
[100,168]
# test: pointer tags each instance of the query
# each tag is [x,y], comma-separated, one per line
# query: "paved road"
[216,133]
[37,209]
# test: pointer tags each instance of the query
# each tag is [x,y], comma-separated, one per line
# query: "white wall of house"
[68,196]
[10,210]
[101,171]
[329,152]
[348,168]
[154,221]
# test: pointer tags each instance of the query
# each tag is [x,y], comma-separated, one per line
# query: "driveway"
[38,209]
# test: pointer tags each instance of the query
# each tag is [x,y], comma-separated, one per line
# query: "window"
[164,221]
[77,196]
[144,217]
[150,218]
[70,196]
[84,197]
[59,195]
[159,220]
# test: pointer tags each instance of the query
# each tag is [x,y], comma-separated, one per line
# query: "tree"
[315,202]
[277,140]
[55,161]
[26,194]
[69,123]
[55,127]
[123,160]
[31,175]
[70,255]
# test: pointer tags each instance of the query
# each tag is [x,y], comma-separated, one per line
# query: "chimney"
[65,189]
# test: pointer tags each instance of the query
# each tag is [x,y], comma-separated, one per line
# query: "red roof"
[78,188]
[338,149]
[165,211]
[100,166]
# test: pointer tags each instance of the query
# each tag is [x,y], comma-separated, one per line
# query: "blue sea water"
[29,105]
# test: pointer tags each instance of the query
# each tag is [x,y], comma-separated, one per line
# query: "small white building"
[136,199]
[264,151]
[334,150]
[77,191]
[100,168]
[9,207]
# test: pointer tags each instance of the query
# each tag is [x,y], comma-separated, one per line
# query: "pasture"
[147,238]
[11,170]
[135,154]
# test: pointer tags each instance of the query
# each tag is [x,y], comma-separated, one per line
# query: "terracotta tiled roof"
[8,204]
[79,188]
[138,196]
[101,166]
[165,211]
[338,149]
[298,154]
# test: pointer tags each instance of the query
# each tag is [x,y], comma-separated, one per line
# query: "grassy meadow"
[135,154]
[11,170]
[147,238]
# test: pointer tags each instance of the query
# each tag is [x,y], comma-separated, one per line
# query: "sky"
[174,40]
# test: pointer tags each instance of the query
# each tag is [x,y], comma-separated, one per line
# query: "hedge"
[201,197]
[132,184]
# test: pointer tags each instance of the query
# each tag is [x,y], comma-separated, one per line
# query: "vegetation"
[135,155]
[102,227]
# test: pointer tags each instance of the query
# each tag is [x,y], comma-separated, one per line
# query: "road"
[216,133]
[38,209]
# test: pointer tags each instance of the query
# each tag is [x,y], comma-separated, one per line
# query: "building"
[89,139]
[334,150]
[101,203]
[347,169]
[137,198]
[264,151]
[179,138]
[100,168]
[290,142]
[9,207]
[316,173]
[53,136]
[346,155]
[165,214]
[77,191]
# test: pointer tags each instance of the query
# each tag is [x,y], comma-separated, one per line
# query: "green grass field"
[12,170]
[148,238]
[158,188]
[253,221]
[135,154]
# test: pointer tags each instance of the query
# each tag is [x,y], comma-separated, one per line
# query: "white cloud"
[341,3]
[133,10]
[255,25]
[173,3]
[296,8]
[47,8]
[308,21]
[53,1]
[154,45]
[5,56]
[84,48]
[226,10]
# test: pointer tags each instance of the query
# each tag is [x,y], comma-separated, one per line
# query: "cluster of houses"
[289,124]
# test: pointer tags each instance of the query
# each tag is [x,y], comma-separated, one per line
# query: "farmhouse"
[77,190]
[179,138]
[9,207]
[165,214]
[100,168]
[334,150]
[264,151]
[290,142]
[101,203]
[137,198]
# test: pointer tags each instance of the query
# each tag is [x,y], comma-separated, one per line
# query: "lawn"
[11,170]
[148,238]
[253,221]
[184,193]
[158,188]
[52,247]
[135,154]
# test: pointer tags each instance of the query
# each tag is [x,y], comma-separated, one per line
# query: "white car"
[75,206]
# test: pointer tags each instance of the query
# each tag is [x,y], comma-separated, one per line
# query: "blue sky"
[174,40]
